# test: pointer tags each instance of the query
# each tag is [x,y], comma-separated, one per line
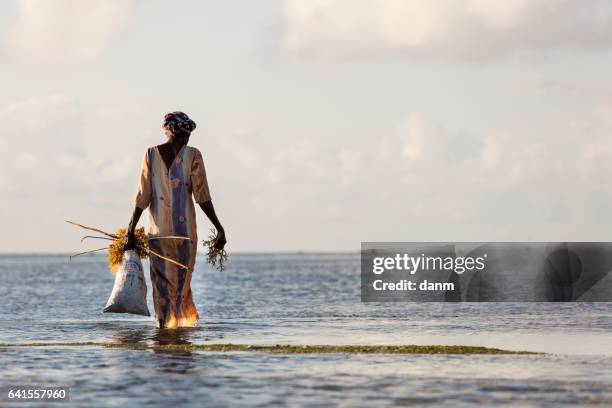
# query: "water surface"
[299,299]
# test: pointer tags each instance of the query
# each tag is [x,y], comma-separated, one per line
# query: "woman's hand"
[130,242]
[221,240]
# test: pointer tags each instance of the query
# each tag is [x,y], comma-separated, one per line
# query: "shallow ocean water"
[293,299]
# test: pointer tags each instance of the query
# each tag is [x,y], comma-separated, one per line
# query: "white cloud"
[66,31]
[447,29]
[53,122]
[62,148]
[513,184]
[25,161]
[38,133]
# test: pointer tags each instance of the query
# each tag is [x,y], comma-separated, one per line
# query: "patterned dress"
[167,192]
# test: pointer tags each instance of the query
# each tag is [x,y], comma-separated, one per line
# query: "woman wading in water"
[171,173]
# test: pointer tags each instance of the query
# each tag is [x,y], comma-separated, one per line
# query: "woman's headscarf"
[177,122]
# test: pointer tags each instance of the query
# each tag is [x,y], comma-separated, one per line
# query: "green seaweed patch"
[287,349]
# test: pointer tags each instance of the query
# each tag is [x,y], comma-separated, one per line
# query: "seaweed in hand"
[215,255]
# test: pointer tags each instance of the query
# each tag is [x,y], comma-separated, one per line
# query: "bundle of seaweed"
[214,254]
[117,247]
[118,243]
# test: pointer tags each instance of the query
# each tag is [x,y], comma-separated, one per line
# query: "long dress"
[167,192]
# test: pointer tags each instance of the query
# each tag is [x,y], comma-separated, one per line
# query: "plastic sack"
[130,291]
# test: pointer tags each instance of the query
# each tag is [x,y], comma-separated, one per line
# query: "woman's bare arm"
[209,210]
[131,241]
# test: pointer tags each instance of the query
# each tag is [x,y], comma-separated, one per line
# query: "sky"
[322,123]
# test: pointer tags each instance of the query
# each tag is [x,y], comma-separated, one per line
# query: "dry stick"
[87,252]
[167,259]
[92,229]
[91,236]
[150,239]
[152,252]
[116,237]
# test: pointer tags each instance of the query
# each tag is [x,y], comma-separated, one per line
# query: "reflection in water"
[182,360]
[179,335]
[130,335]
[122,332]
[159,337]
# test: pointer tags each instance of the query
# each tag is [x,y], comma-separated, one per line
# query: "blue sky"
[322,123]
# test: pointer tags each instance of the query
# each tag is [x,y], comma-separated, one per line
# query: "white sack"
[130,291]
